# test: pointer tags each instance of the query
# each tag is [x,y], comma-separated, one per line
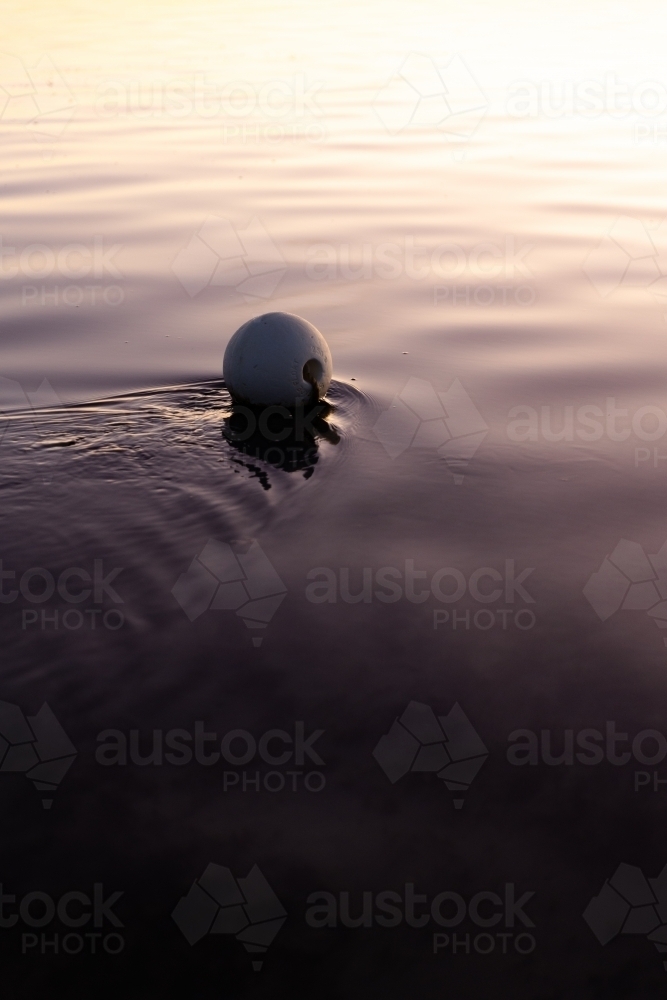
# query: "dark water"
[395,670]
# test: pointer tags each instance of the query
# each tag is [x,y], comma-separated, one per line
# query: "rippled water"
[468,201]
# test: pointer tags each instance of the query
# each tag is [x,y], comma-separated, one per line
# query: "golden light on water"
[446,123]
[467,199]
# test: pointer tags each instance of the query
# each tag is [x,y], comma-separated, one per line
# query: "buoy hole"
[313,372]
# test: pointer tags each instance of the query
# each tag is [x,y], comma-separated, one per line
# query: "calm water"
[246,645]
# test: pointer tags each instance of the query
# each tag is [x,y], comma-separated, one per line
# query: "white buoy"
[277,359]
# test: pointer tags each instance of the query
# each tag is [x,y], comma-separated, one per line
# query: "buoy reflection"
[278,436]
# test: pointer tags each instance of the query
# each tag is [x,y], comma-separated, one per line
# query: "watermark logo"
[592,422]
[272,112]
[420,417]
[14,398]
[448,585]
[589,747]
[431,93]
[217,903]
[73,585]
[586,98]
[629,903]
[72,909]
[36,746]
[627,256]
[630,580]
[449,262]
[224,257]
[446,909]
[37,98]
[40,261]
[231,577]
[420,742]
[238,747]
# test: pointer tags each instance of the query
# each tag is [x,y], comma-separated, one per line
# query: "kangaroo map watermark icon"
[35,97]
[631,254]
[221,255]
[14,398]
[231,577]
[420,417]
[630,580]
[433,93]
[37,746]
[419,741]
[218,903]
[629,903]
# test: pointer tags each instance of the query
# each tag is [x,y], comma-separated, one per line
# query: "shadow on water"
[286,439]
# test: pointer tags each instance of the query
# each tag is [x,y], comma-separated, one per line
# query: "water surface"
[468,201]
